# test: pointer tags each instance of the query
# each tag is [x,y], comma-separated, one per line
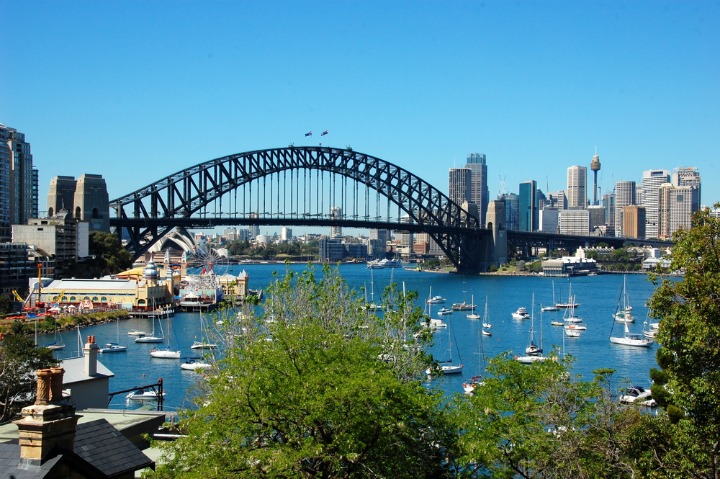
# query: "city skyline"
[138,92]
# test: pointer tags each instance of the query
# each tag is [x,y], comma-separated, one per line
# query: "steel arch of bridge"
[150,212]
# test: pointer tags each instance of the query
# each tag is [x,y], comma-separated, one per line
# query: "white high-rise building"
[254,228]
[336,213]
[689,176]
[624,196]
[286,234]
[577,186]
[651,182]
[574,222]
[674,209]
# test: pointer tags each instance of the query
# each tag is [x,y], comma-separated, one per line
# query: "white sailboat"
[571,300]
[114,347]
[475,381]
[486,325]
[533,351]
[623,311]
[570,317]
[165,352]
[448,367]
[151,338]
[58,343]
[632,339]
[553,306]
[372,306]
[473,314]
[195,365]
[203,343]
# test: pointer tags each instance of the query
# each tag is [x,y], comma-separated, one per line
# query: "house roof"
[104,447]
[75,371]
[99,450]
[92,284]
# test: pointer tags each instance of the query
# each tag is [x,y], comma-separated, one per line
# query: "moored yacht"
[521,313]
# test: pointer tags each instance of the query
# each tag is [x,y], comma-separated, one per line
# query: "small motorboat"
[436,300]
[437,324]
[521,313]
[638,395]
[445,311]
[469,386]
[144,395]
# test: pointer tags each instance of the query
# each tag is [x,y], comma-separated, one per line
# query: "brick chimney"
[47,423]
[90,351]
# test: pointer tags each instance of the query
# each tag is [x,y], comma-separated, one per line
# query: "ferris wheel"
[209,260]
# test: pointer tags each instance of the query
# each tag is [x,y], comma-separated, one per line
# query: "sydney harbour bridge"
[309,186]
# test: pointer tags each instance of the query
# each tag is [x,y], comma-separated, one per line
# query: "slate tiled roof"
[99,449]
[10,464]
[105,448]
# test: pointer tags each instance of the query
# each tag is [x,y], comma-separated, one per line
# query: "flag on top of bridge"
[324,133]
[309,133]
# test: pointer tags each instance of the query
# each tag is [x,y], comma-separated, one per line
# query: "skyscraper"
[459,184]
[527,206]
[608,202]
[689,176]
[651,182]
[336,213]
[624,196]
[512,210]
[479,193]
[674,209]
[18,181]
[577,187]
[633,225]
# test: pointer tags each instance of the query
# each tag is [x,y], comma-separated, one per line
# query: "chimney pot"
[42,395]
[56,383]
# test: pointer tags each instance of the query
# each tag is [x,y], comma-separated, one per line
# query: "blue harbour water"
[598,297]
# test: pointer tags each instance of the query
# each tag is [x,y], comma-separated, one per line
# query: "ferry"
[384,263]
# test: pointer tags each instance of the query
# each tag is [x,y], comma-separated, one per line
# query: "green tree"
[107,257]
[537,421]
[318,387]
[688,384]
[19,359]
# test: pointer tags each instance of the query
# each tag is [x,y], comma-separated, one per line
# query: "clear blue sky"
[137,90]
